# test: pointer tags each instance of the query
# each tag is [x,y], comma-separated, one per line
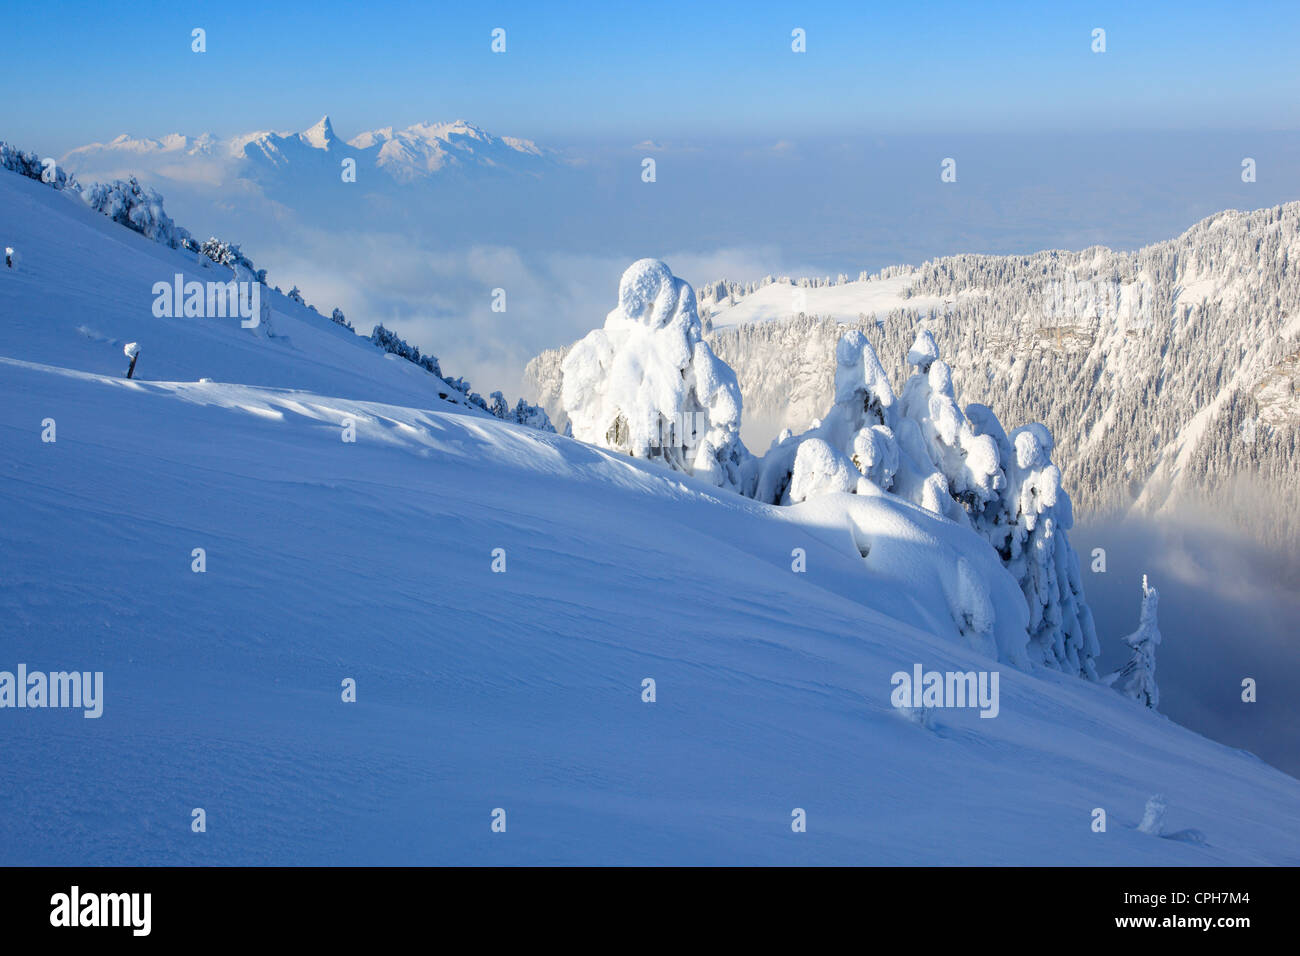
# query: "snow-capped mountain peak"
[320,136]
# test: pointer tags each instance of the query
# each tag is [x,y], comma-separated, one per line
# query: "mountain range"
[408,155]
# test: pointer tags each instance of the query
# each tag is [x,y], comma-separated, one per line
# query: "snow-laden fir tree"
[648,385]
[854,440]
[1027,525]
[229,254]
[138,208]
[1137,678]
[967,460]
[534,416]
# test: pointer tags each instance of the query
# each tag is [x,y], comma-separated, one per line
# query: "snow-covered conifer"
[648,385]
[968,461]
[228,254]
[137,208]
[1137,678]
[534,416]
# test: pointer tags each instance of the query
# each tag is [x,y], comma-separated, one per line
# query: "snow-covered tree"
[532,415]
[648,385]
[820,469]
[33,166]
[967,460]
[1026,524]
[295,295]
[390,341]
[228,254]
[1137,678]
[138,208]
[867,424]
[523,413]
[338,318]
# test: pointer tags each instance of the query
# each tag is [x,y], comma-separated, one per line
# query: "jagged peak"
[321,135]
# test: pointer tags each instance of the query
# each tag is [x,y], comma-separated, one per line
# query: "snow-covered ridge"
[140,210]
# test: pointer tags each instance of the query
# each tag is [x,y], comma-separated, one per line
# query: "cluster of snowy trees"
[229,254]
[522,414]
[637,384]
[921,446]
[34,167]
[1130,359]
[130,204]
[393,343]
[139,209]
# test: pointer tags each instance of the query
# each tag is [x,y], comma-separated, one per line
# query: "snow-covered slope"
[476,689]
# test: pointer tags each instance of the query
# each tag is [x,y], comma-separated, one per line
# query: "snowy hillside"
[1176,367]
[499,595]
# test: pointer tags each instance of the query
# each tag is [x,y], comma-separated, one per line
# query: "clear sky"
[81,71]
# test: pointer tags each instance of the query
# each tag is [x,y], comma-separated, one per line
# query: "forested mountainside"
[1169,376]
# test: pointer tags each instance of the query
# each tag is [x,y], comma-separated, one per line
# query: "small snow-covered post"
[132,351]
[9,257]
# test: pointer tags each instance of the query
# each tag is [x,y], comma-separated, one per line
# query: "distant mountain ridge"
[408,155]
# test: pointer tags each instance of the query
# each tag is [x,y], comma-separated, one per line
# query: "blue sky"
[82,71]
